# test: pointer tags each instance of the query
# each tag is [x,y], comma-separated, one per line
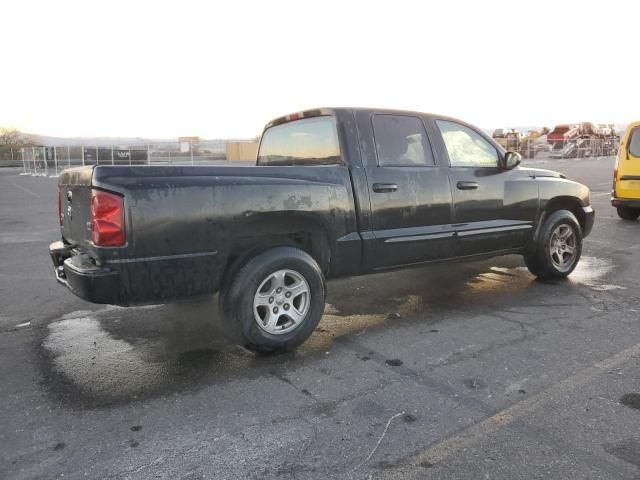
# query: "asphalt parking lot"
[463,371]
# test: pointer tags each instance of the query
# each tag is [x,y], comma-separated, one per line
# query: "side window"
[467,148]
[634,142]
[401,141]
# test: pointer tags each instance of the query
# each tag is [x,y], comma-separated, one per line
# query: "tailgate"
[75,196]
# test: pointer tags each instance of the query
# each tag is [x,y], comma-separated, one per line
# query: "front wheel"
[558,247]
[627,213]
[275,301]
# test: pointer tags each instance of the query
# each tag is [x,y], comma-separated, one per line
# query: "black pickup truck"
[335,192]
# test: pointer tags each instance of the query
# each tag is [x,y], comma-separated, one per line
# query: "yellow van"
[626,176]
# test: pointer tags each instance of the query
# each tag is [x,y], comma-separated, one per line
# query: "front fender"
[559,193]
[554,189]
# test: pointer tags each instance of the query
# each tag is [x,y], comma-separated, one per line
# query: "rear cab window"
[309,141]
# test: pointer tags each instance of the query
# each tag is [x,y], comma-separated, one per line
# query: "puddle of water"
[591,271]
[98,363]
[498,279]
[108,356]
[358,304]
[508,272]
[334,324]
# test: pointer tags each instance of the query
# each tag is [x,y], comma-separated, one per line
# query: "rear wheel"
[627,213]
[558,247]
[275,300]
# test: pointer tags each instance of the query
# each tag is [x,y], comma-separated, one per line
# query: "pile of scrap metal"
[576,140]
[528,145]
[583,140]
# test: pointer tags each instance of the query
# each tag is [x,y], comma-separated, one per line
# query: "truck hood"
[539,172]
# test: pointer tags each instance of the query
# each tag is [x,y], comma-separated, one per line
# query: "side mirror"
[511,160]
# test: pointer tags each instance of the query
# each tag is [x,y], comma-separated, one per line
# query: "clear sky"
[223,69]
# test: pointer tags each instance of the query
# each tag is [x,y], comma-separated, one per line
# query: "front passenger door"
[494,209]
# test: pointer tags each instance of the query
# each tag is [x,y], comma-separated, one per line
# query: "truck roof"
[316,112]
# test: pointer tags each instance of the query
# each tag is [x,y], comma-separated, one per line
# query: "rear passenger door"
[410,194]
[494,209]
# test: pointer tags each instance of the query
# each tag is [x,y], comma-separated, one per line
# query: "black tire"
[541,262]
[237,301]
[627,213]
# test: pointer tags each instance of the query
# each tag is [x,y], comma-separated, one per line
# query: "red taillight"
[107,219]
[59,207]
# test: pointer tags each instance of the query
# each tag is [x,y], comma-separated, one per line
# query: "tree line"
[14,138]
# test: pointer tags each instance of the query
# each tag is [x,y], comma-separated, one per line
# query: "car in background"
[625,195]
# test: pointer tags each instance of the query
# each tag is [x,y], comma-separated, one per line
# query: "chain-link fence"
[51,160]
[10,156]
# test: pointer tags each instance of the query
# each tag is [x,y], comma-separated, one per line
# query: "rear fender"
[264,230]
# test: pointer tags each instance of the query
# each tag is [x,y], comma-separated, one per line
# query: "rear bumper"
[625,202]
[589,218]
[138,281]
[80,275]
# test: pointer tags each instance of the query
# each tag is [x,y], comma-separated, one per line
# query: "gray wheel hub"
[563,247]
[281,302]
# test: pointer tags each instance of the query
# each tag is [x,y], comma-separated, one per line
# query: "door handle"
[384,187]
[467,185]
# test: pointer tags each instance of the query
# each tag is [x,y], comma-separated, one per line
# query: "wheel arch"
[566,202]
[302,230]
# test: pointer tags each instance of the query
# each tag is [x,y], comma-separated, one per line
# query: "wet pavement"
[471,370]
